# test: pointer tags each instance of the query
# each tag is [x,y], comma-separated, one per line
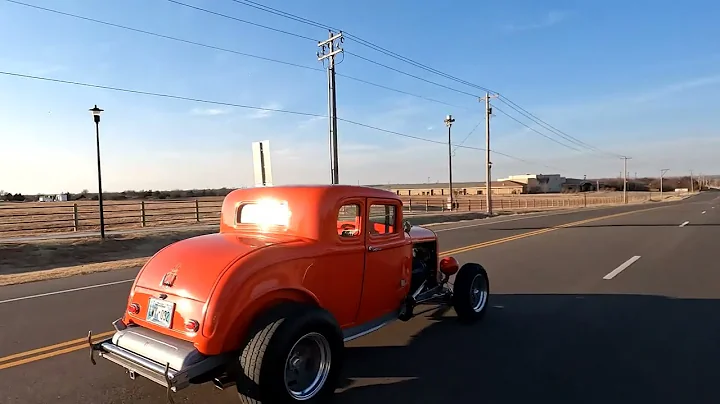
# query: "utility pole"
[332,46]
[488,163]
[662,172]
[448,122]
[692,186]
[625,159]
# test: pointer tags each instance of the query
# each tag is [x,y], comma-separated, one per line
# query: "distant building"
[539,183]
[512,185]
[54,198]
[459,188]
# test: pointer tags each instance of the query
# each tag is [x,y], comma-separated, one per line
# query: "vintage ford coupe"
[267,303]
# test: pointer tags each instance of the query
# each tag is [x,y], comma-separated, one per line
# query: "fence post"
[142,213]
[76,220]
[197,211]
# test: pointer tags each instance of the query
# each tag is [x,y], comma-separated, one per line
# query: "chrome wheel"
[478,293]
[307,366]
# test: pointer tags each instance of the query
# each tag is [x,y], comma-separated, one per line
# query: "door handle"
[374,249]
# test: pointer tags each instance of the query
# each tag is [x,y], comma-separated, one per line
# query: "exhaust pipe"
[223,382]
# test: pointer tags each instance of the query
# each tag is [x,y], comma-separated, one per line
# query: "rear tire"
[305,339]
[471,293]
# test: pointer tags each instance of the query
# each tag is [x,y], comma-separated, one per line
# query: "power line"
[468,135]
[357,39]
[318,25]
[401,91]
[387,52]
[551,128]
[178,97]
[155,34]
[533,129]
[410,75]
[172,38]
[284,111]
[243,21]
[284,14]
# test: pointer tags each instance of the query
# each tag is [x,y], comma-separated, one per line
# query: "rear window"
[264,213]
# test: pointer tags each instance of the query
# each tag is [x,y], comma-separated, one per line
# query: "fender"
[230,337]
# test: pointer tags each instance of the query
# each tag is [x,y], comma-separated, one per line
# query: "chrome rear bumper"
[167,361]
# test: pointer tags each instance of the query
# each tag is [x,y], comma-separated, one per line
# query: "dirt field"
[28,219]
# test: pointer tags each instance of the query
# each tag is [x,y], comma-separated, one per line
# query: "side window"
[382,219]
[348,221]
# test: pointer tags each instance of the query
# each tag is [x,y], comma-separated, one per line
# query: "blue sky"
[638,79]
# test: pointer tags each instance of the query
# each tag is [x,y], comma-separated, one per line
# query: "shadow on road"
[552,348]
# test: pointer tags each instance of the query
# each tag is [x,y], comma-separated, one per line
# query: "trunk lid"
[189,268]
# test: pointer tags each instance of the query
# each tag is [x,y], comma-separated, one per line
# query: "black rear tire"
[261,378]
[471,293]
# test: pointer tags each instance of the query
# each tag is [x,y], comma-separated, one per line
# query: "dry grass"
[25,219]
[27,262]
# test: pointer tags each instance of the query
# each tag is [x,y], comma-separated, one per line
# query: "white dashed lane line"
[65,291]
[621,267]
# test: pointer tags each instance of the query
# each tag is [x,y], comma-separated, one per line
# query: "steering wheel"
[348,229]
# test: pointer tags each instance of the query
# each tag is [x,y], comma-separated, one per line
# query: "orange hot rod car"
[267,303]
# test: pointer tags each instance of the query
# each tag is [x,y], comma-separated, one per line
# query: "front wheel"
[471,292]
[295,357]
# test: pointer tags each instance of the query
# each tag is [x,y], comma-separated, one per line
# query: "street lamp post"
[96,117]
[448,122]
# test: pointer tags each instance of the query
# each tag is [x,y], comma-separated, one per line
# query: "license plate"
[160,312]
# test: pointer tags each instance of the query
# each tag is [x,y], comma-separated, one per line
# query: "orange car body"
[340,247]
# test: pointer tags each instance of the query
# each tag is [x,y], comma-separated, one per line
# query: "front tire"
[294,356]
[471,292]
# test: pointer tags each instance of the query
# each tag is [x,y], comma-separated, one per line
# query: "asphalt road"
[568,321]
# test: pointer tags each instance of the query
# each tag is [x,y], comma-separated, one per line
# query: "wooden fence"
[23,219]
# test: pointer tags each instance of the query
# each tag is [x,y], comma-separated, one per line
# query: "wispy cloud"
[44,71]
[265,113]
[310,121]
[209,111]
[551,18]
[677,88]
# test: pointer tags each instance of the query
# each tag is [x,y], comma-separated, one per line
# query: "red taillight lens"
[449,266]
[134,308]
[192,325]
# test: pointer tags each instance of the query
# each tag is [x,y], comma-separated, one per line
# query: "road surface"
[611,305]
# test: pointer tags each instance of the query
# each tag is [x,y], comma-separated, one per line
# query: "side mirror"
[407,226]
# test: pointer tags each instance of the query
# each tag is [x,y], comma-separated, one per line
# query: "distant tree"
[18,197]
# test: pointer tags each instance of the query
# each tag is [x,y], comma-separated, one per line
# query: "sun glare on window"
[266,212]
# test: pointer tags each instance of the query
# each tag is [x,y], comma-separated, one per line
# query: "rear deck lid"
[189,268]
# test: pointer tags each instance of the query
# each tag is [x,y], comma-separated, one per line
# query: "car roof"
[314,190]
[313,207]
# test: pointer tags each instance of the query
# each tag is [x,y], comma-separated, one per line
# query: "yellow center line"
[541,231]
[82,342]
